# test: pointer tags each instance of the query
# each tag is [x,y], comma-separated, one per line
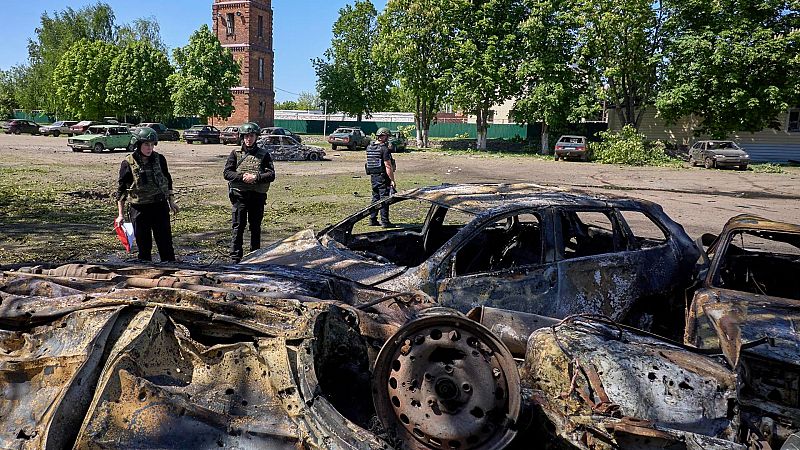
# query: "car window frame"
[620,239]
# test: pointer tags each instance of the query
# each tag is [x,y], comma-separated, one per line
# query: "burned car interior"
[760,262]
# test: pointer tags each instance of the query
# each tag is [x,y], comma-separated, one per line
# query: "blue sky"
[302,30]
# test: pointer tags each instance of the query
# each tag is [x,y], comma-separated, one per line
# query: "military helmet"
[145,134]
[248,128]
[383,131]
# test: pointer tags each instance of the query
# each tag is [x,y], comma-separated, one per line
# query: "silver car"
[713,154]
[58,128]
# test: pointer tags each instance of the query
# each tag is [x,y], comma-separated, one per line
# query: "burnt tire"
[313,156]
[692,162]
[56,133]
[189,142]
[205,141]
[16,131]
[333,147]
[97,148]
[708,163]
[742,167]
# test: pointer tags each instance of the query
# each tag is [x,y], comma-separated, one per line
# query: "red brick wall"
[254,99]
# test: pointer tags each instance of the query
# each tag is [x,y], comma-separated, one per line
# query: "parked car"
[748,307]
[164,133]
[713,154]
[285,148]
[399,141]
[520,247]
[18,126]
[82,126]
[572,147]
[100,137]
[207,134]
[230,135]
[58,128]
[280,131]
[352,138]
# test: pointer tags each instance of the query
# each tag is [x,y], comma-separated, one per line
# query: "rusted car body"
[155,357]
[286,148]
[521,247]
[748,307]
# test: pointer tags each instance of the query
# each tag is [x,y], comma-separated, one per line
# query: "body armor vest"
[149,183]
[374,165]
[250,163]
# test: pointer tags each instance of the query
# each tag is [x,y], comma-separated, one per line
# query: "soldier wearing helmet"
[145,184]
[380,166]
[249,171]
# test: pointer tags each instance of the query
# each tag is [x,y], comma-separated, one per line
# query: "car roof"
[480,198]
[753,222]
[717,140]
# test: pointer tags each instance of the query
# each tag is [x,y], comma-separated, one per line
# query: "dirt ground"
[57,205]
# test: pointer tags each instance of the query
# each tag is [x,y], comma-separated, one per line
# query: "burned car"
[521,247]
[185,357]
[286,148]
[748,307]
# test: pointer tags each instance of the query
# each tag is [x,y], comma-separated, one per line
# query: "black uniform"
[146,183]
[377,154]
[247,199]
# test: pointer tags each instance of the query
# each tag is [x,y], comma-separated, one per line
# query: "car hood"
[340,135]
[759,325]
[305,250]
[86,137]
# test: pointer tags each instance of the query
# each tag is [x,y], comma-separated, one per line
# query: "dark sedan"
[164,133]
[520,247]
[206,134]
[718,154]
[280,131]
[18,126]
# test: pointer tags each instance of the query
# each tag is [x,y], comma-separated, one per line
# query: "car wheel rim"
[437,379]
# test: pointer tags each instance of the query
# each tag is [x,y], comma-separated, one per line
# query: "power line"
[284,90]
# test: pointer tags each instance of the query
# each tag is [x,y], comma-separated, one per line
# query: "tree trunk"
[545,139]
[482,127]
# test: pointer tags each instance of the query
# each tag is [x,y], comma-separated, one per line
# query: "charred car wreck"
[148,357]
[520,246]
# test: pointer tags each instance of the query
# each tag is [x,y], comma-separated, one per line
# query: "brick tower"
[245,28]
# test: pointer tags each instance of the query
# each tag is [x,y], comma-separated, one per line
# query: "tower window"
[262,108]
[261,26]
[229,24]
[260,68]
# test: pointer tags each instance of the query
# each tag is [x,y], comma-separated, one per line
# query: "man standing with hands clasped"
[249,171]
[381,166]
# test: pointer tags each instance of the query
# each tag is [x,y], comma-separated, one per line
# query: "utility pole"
[325,121]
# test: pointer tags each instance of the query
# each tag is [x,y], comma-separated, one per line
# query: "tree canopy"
[732,63]
[416,44]
[138,82]
[81,76]
[205,73]
[348,77]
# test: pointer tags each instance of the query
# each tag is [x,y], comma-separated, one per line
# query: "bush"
[767,168]
[408,130]
[628,147]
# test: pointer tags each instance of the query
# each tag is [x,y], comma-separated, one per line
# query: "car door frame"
[506,288]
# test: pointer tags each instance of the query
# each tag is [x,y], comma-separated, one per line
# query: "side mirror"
[708,238]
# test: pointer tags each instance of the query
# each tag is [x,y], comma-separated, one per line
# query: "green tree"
[624,40]
[308,101]
[416,43]
[401,99]
[555,87]
[53,37]
[81,76]
[732,63]
[138,82]
[206,72]
[489,48]
[348,76]
[28,86]
[141,30]
[8,101]
[287,105]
